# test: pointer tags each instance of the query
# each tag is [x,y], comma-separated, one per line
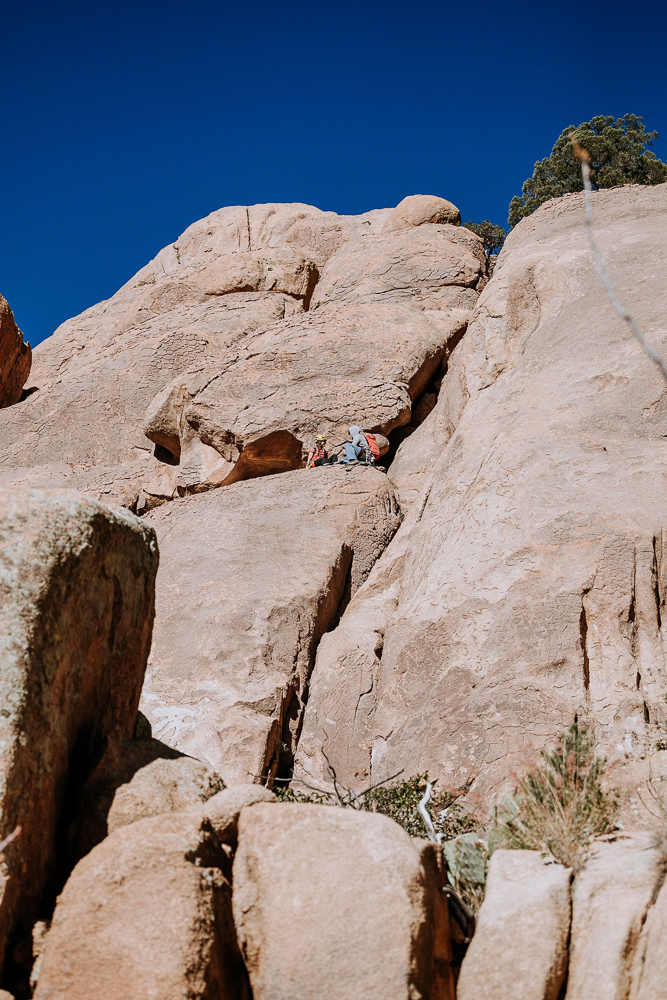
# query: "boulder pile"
[447,611]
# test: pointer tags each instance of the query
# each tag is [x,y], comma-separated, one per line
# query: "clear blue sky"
[123,122]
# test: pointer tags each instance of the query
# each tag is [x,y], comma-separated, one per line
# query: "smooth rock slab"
[332,903]
[610,900]
[251,578]
[527,584]
[76,614]
[520,947]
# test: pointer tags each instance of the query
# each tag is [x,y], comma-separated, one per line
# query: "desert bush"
[400,802]
[561,805]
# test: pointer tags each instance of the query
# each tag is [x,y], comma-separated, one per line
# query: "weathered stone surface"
[15,357]
[229,278]
[610,899]
[527,583]
[337,903]
[649,973]
[223,810]
[146,914]
[520,947]
[163,786]
[430,267]
[260,407]
[418,209]
[76,612]
[253,576]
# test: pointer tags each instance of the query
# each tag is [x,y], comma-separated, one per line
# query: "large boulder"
[228,279]
[76,614]
[332,903]
[146,914]
[610,901]
[15,357]
[527,583]
[520,947]
[260,407]
[163,786]
[252,577]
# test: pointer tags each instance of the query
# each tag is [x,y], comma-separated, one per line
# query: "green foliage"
[561,805]
[284,793]
[493,236]
[618,156]
[467,865]
[400,800]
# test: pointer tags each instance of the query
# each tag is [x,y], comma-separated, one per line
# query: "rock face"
[610,901]
[333,903]
[258,408]
[76,612]
[520,947]
[649,973]
[15,357]
[527,583]
[204,301]
[146,914]
[253,576]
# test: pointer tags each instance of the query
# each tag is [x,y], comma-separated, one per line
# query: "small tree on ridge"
[619,155]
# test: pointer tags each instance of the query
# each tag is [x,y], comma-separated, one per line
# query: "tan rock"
[228,279]
[520,947]
[253,576]
[418,209]
[260,408]
[180,785]
[610,900]
[430,267]
[15,357]
[121,761]
[649,973]
[337,903]
[527,583]
[76,616]
[146,914]
[223,809]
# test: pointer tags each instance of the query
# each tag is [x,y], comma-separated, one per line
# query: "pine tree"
[619,155]
[493,236]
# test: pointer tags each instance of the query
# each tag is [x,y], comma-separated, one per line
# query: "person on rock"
[358,450]
[319,455]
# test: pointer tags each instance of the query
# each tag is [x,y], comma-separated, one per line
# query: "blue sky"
[123,122]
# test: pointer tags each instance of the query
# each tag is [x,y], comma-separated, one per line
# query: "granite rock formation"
[15,357]
[253,576]
[312,881]
[527,583]
[204,300]
[76,611]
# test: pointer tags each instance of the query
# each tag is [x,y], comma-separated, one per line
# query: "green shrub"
[493,236]
[561,805]
[619,155]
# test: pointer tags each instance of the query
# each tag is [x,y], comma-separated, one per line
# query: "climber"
[319,455]
[358,450]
